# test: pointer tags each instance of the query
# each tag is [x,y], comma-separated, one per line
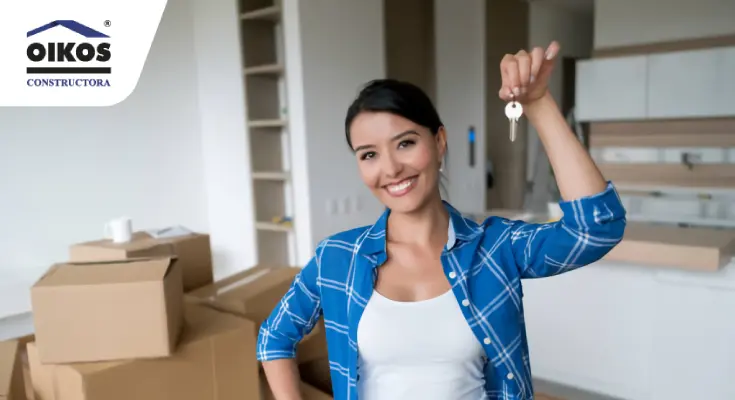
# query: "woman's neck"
[427,226]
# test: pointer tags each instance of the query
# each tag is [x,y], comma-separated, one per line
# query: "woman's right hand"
[525,75]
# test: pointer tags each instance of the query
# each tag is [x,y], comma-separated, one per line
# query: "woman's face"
[398,160]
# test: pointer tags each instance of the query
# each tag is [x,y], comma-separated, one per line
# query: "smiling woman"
[399,141]
[425,303]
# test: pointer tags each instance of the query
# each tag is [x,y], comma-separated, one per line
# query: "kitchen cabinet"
[683,84]
[725,98]
[611,89]
[674,85]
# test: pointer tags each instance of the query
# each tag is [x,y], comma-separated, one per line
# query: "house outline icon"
[71,25]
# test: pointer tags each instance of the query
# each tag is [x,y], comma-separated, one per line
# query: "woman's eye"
[405,143]
[367,155]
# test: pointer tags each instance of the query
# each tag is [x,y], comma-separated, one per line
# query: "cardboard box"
[11,372]
[308,392]
[112,310]
[253,294]
[192,250]
[23,355]
[215,361]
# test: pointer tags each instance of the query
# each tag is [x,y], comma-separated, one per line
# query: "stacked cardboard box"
[117,325]
[192,250]
[253,294]
[12,386]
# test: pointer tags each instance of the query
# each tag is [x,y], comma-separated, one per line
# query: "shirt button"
[465,302]
[487,340]
[452,275]
[510,375]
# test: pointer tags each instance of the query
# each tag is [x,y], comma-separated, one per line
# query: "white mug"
[120,230]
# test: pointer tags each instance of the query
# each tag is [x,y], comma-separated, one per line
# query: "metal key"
[513,111]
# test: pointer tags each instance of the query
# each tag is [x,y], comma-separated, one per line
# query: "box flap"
[8,354]
[169,232]
[266,278]
[107,272]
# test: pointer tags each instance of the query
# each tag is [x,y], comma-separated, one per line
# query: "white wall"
[68,170]
[573,29]
[632,22]
[342,48]
[637,332]
[460,96]
[225,146]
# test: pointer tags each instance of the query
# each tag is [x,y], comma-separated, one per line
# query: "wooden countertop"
[661,245]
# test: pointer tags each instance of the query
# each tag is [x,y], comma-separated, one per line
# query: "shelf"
[259,44]
[267,123]
[263,78]
[272,227]
[271,176]
[266,150]
[699,132]
[267,69]
[697,249]
[701,175]
[273,247]
[262,96]
[271,13]
[270,199]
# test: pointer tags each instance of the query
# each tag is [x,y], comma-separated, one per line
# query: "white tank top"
[418,350]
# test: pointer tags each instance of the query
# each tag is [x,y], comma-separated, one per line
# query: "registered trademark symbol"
[107,23]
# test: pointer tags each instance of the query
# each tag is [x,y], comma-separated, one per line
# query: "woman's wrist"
[537,107]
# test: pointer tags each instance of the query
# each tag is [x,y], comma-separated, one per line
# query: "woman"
[426,304]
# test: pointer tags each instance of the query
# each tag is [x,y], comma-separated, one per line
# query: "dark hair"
[396,97]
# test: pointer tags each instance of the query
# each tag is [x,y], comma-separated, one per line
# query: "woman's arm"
[594,217]
[525,78]
[295,316]
[283,378]
[576,174]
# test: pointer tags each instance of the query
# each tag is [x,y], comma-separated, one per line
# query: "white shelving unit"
[265,83]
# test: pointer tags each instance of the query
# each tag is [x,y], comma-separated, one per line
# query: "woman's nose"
[391,167]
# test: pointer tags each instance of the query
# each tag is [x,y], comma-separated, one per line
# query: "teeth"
[400,186]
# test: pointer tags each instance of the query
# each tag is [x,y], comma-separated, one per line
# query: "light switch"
[332,207]
[344,205]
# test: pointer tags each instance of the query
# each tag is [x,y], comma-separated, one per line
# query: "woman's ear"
[441,142]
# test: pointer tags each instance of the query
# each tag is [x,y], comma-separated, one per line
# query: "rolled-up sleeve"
[590,228]
[293,318]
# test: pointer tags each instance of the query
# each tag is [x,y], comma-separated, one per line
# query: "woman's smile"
[402,187]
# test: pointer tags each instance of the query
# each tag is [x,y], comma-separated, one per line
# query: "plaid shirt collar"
[374,240]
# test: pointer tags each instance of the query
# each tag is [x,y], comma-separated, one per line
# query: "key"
[513,111]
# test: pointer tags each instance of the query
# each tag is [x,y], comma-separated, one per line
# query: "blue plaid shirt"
[484,263]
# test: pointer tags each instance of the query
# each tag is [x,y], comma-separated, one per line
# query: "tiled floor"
[562,392]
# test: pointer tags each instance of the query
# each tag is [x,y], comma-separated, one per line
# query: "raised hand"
[525,76]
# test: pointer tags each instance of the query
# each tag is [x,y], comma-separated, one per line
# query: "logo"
[79,60]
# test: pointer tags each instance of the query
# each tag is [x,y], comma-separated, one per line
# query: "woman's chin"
[407,204]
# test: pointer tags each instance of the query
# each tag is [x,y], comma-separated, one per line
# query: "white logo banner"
[74,53]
